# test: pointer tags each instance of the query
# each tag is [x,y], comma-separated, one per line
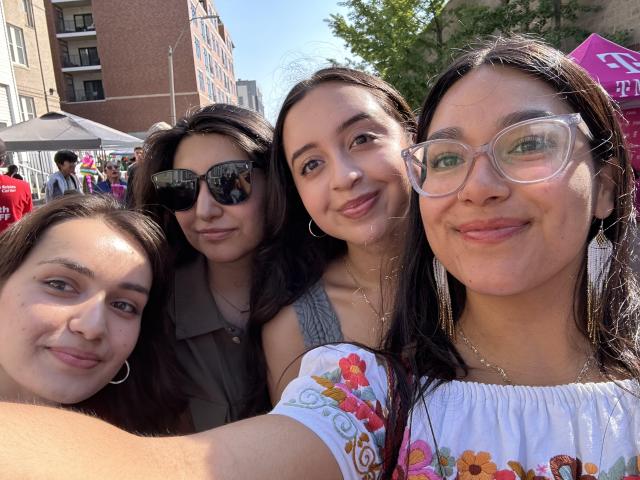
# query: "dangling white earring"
[311,231]
[445,314]
[126,375]
[598,261]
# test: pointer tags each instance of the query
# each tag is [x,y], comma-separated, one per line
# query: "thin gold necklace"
[229,302]
[505,378]
[382,318]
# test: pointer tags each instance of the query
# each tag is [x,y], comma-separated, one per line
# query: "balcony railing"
[69,26]
[71,60]
[80,96]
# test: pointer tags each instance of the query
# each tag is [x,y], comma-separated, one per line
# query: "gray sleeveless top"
[317,319]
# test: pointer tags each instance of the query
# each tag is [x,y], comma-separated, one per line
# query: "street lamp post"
[172,88]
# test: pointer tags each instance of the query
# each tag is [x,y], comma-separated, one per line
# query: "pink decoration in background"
[617,69]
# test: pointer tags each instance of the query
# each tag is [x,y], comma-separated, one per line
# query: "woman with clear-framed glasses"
[213,222]
[513,356]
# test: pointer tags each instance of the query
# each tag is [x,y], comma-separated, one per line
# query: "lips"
[359,206]
[216,234]
[74,357]
[492,230]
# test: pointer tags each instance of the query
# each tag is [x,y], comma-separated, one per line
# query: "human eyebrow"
[135,287]
[355,119]
[301,150]
[454,133]
[451,133]
[71,265]
[522,115]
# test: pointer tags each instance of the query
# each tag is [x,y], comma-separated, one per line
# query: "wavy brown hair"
[248,130]
[415,336]
[290,261]
[150,400]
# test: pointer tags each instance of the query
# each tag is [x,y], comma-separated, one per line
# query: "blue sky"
[279,42]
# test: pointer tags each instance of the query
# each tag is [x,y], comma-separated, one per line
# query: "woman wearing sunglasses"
[206,186]
[338,199]
[113,183]
[517,312]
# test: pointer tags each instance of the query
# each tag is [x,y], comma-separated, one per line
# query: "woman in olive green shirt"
[204,181]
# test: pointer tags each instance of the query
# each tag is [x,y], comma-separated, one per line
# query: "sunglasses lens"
[177,189]
[230,182]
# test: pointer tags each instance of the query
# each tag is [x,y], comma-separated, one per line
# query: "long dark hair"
[415,335]
[290,261]
[149,401]
[247,129]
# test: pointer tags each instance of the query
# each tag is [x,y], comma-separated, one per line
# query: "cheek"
[124,337]
[251,217]
[185,219]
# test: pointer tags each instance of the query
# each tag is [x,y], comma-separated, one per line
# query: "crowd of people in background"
[451,296]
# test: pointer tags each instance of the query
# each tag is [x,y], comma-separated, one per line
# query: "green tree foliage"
[407,42]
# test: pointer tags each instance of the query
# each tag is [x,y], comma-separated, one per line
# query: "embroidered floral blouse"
[483,432]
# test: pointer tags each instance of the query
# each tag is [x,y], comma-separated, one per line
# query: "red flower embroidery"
[504,475]
[362,411]
[353,369]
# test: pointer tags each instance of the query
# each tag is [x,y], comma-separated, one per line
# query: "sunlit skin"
[555,215]
[343,151]
[71,313]
[516,248]
[222,233]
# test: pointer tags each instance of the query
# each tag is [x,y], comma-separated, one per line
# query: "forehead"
[322,110]
[485,96]
[200,152]
[94,244]
[85,237]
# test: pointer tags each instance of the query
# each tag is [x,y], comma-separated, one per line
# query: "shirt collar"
[196,312]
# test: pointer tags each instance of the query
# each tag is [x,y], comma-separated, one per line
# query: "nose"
[346,173]
[483,184]
[206,206]
[90,318]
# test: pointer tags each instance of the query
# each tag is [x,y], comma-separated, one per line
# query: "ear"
[606,187]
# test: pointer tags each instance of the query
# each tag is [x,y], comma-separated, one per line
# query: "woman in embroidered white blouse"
[522,337]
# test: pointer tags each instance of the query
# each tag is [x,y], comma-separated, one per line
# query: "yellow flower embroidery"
[475,467]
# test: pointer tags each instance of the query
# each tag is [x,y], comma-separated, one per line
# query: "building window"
[83,22]
[196,43]
[88,56]
[16,45]
[27,108]
[193,11]
[93,90]
[70,90]
[28,10]
[241,101]
[201,81]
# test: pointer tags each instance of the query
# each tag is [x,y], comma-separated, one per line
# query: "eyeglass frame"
[203,178]
[572,120]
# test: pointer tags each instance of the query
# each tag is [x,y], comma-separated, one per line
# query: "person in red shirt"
[15,196]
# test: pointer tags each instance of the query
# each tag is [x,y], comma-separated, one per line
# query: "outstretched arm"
[47,443]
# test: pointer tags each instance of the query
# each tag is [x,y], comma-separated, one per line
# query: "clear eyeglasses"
[531,151]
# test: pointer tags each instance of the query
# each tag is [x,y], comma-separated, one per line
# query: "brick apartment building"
[111,59]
